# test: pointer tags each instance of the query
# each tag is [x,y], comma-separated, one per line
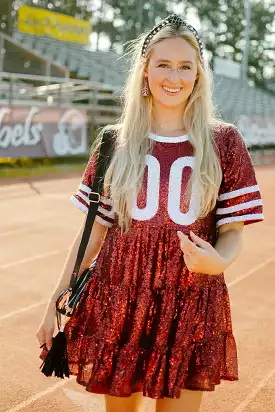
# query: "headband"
[173,20]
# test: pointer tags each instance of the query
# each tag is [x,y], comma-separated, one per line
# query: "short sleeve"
[239,196]
[105,214]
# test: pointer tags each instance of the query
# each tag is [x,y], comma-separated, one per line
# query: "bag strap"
[104,157]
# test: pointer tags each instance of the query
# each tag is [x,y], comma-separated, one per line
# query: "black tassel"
[57,358]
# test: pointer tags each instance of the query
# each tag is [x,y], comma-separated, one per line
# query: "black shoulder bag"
[57,360]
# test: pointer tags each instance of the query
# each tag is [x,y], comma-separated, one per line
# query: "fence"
[46,116]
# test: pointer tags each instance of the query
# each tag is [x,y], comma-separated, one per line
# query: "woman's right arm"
[93,248]
[97,237]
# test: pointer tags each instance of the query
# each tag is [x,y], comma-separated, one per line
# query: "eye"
[185,67]
[163,65]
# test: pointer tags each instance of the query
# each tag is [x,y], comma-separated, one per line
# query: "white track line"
[36,257]
[251,271]
[255,392]
[37,396]
[265,380]
[25,229]
[35,305]
[29,229]
[17,231]
[84,401]
[22,310]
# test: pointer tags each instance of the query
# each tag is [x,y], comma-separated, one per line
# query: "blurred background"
[62,70]
[61,74]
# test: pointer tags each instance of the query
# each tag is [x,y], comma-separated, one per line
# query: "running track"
[38,224]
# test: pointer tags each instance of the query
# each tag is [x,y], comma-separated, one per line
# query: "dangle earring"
[145,89]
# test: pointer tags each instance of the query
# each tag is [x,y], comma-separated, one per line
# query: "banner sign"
[42,132]
[42,22]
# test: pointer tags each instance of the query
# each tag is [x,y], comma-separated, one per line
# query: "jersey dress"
[145,323]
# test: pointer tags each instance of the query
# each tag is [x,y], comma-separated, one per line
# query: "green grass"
[15,172]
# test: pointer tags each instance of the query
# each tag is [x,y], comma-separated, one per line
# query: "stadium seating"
[230,94]
[84,63]
[232,97]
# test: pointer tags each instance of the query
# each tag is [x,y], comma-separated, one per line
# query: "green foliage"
[6,16]
[262,18]
[133,17]
[72,8]
[223,26]
[222,22]
[26,167]
[11,163]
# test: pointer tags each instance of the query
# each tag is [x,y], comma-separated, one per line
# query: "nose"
[173,75]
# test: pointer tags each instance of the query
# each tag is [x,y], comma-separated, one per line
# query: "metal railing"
[102,101]
[4,38]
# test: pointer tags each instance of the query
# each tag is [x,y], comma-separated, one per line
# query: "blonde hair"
[125,173]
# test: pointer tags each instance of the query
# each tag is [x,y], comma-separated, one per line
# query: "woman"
[154,319]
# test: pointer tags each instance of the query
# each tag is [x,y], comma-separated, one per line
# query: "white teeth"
[171,90]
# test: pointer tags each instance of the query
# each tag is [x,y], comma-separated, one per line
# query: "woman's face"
[172,71]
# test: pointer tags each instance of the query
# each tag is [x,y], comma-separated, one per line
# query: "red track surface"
[38,225]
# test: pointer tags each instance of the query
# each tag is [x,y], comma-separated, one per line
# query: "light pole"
[99,20]
[247,14]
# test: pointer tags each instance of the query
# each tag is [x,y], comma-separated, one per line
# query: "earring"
[145,89]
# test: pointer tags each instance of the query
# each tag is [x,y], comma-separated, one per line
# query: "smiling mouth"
[172,90]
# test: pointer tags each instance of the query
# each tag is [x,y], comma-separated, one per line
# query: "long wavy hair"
[125,173]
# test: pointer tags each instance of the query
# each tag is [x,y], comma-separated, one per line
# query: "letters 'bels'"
[20,134]
[70,139]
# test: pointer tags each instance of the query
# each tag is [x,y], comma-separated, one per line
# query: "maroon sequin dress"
[145,323]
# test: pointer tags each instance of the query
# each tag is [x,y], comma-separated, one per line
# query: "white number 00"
[174,192]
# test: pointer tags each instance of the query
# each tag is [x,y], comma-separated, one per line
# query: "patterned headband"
[173,20]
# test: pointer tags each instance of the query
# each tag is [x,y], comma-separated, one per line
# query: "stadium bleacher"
[232,96]
[86,64]
[235,97]
[18,57]
[250,108]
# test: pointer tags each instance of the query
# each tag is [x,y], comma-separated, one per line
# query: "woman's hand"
[200,256]
[46,329]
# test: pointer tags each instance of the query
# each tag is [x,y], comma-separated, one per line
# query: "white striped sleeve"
[105,214]
[239,197]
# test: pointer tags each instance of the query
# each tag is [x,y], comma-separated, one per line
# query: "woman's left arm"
[201,257]
[230,241]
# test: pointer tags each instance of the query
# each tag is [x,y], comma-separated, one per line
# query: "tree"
[130,18]
[222,24]
[260,56]
[222,27]
[6,9]
[223,32]
[74,8]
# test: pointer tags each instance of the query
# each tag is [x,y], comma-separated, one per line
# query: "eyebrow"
[168,61]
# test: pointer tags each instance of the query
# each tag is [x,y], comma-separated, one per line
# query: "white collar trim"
[168,139]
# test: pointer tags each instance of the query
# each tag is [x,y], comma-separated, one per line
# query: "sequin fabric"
[145,323]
